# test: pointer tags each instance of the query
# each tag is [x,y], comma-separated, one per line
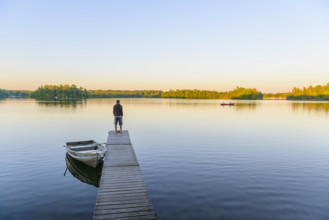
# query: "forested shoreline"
[14,93]
[310,93]
[238,93]
[61,92]
[124,93]
[3,94]
[66,92]
[72,92]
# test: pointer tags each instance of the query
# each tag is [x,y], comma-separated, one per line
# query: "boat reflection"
[82,172]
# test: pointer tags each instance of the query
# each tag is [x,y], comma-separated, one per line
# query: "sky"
[183,44]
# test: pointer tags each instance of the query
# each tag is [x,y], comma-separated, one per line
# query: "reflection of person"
[118,113]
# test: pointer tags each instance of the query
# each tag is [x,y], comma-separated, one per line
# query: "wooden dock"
[122,193]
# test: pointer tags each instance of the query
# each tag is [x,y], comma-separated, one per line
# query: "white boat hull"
[89,157]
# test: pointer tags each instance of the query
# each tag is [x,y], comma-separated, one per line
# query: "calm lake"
[257,160]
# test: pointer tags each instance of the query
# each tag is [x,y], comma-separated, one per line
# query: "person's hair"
[118,101]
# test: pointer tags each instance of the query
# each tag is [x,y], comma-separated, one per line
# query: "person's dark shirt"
[117,110]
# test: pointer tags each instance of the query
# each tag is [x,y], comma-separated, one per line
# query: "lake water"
[256,160]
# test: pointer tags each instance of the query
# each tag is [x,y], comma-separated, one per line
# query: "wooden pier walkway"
[122,193]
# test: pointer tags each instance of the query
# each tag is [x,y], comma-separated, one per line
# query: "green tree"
[3,94]
[61,92]
[238,93]
[311,93]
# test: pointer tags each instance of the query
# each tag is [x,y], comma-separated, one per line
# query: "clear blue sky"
[216,45]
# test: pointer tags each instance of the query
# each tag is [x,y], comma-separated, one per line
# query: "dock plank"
[122,192]
[118,139]
[120,156]
[122,206]
[124,215]
[132,201]
[143,217]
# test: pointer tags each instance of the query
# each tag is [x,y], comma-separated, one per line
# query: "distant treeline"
[61,92]
[124,93]
[19,93]
[3,94]
[238,93]
[14,93]
[310,93]
[72,92]
[281,95]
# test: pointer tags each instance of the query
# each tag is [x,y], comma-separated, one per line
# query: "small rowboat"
[88,152]
[227,104]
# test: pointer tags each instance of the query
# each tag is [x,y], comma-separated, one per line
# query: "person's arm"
[113,110]
[122,111]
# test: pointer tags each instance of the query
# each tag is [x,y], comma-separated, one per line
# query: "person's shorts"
[118,119]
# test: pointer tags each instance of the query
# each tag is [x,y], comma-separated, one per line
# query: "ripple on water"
[199,161]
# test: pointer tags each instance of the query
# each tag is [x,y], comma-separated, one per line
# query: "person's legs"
[120,122]
[115,124]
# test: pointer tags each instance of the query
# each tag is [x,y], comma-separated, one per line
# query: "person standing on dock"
[118,114]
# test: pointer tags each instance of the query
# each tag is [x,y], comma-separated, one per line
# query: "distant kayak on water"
[230,104]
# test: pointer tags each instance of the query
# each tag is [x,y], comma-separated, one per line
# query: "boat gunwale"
[102,147]
[77,143]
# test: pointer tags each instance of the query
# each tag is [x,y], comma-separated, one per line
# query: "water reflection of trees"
[246,106]
[239,106]
[63,104]
[311,106]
